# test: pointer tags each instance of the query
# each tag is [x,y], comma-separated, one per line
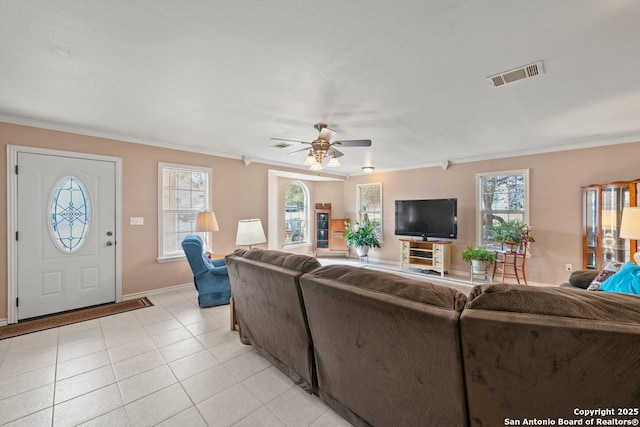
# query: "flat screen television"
[432,218]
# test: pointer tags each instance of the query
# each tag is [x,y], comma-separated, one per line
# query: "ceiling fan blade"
[289,140]
[297,151]
[354,143]
[332,150]
[326,134]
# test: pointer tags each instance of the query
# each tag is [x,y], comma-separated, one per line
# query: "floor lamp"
[250,232]
[630,227]
[206,222]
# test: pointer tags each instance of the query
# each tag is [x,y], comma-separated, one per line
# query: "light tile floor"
[173,364]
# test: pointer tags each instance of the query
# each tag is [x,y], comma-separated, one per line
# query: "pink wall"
[555,198]
[241,191]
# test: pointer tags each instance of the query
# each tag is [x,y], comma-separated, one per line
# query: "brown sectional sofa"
[390,350]
[542,352]
[269,309]
[387,348]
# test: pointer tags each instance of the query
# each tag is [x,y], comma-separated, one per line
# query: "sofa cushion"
[409,289]
[301,263]
[627,280]
[582,278]
[551,301]
[609,270]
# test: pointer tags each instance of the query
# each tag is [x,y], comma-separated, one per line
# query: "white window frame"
[361,212]
[178,255]
[307,204]
[479,211]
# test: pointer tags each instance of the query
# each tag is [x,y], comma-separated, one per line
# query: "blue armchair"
[209,276]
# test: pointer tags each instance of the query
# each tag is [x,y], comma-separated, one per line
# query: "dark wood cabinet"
[329,232]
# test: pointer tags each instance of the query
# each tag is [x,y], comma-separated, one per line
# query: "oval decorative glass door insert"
[70,211]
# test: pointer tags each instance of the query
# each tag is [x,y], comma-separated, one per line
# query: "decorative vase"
[362,250]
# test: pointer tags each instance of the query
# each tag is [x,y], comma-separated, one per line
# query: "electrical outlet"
[568,267]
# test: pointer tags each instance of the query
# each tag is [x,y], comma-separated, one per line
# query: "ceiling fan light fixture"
[367,169]
[323,148]
[310,160]
[333,162]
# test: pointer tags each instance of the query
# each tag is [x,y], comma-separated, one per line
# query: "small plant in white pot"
[479,258]
[362,237]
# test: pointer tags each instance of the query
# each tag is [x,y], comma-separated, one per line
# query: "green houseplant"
[479,254]
[512,231]
[479,258]
[361,236]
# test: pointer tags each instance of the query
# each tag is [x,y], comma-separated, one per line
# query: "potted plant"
[361,236]
[479,258]
[512,232]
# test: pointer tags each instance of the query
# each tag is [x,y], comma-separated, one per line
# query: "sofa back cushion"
[541,352]
[387,347]
[551,301]
[294,262]
[270,311]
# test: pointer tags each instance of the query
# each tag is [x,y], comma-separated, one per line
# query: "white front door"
[66,225]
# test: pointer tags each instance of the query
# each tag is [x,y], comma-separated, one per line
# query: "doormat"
[69,317]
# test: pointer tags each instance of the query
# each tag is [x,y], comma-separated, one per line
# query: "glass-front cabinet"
[602,216]
[322,228]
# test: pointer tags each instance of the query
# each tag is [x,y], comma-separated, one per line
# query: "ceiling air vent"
[523,72]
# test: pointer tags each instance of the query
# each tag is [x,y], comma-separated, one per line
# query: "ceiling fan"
[322,147]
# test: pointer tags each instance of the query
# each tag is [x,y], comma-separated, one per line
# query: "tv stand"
[430,255]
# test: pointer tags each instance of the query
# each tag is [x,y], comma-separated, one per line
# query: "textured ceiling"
[222,77]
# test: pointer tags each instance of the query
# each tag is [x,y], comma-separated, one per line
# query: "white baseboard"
[155,291]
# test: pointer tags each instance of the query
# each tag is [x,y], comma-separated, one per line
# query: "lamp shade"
[206,222]
[250,232]
[630,224]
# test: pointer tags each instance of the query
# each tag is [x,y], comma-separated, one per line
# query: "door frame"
[12,217]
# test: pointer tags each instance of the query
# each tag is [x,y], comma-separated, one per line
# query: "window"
[296,213]
[501,197]
[369,199]
[184,191]
[70,214]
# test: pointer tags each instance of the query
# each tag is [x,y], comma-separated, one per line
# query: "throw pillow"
[627,280]
[609,270]
[582,278]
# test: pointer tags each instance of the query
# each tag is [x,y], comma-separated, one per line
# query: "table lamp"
[630,227]
[206,222]
[250,232]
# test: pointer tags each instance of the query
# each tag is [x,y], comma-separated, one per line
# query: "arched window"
[296,213]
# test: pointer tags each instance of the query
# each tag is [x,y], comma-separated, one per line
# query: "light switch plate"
[136,220]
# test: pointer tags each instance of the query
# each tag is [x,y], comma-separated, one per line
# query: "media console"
[428,255]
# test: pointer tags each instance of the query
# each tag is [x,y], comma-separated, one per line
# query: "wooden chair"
[511,262]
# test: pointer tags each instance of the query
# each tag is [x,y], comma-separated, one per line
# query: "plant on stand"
[512,233]
[361,236]
[479,258]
